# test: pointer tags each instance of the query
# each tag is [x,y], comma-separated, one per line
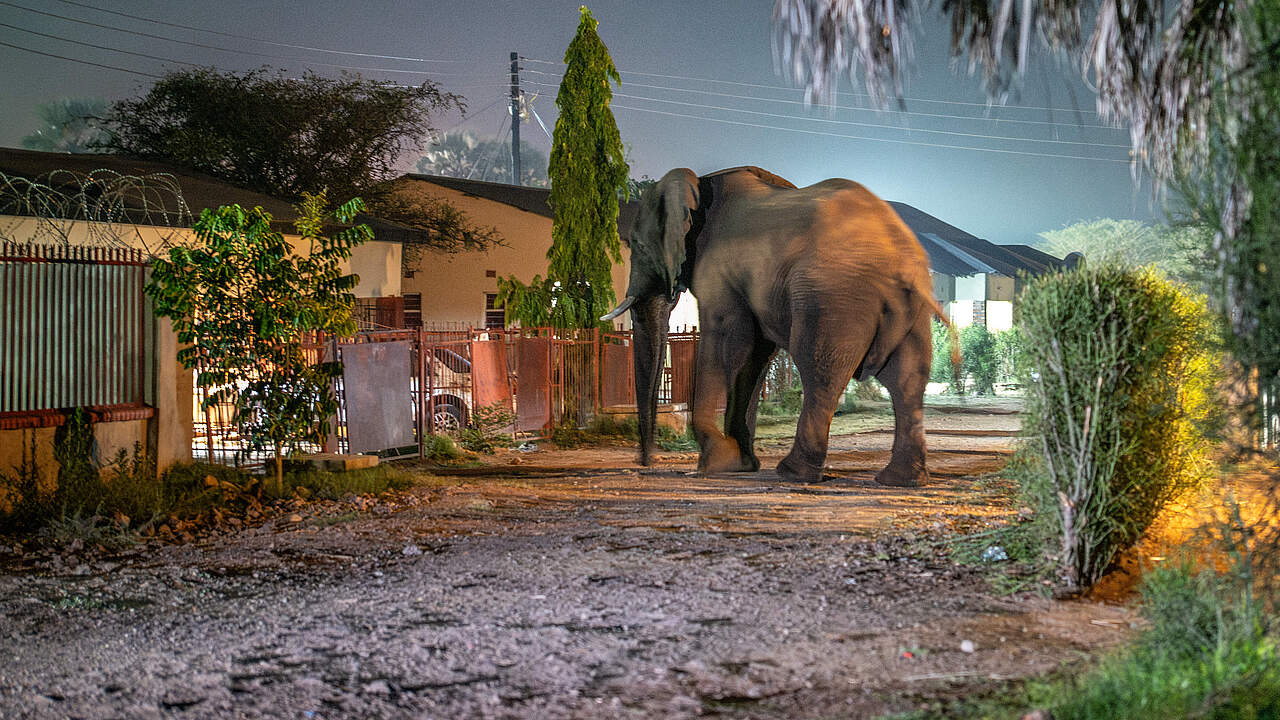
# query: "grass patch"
[324,522]
[1206,654]
[325,485]
[983,699]
[672,441]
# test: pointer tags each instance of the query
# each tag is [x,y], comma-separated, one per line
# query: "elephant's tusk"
[622,307]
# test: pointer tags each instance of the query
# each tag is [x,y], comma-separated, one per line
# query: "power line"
[223,49]
[891,111]
[260,40]
[98,47]
[479,112]
[82,62]
[791,89]
[866,125]
[873,139]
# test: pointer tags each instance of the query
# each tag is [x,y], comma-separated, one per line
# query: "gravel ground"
[555,584]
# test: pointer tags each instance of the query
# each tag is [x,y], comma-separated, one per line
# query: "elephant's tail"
[952,334]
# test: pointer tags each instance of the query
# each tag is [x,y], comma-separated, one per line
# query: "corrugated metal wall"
[72,331]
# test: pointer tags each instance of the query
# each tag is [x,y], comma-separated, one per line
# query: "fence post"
[421,418]
[596,349]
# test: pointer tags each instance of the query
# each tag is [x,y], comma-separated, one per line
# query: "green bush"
[608,426]
[441,448]
[1119,378]
[486,431]
[1008,355]
[79,487]
[941,369]
[979,358]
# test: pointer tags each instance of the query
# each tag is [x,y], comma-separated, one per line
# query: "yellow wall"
[453,286]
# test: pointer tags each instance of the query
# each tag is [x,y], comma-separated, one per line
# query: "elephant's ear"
[679,196]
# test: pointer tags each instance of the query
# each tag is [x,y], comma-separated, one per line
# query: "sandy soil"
[560,584]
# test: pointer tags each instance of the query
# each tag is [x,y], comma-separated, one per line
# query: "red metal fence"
[74,330]
[540,377]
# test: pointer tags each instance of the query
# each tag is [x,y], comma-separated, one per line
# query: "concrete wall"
[379,266]
[453,285]
[377,263]
[999,315]
[944,287]
[1000,287]
[166,435]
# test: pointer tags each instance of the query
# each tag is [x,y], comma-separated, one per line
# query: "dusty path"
[558,584]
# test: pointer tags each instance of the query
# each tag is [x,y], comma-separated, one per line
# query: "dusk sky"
[699,90]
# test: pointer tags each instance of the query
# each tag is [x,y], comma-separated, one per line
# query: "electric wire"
[98,47]
[827,106]
[260,40]
[866,125]
[791,89]
[873,139]
[228,50]
[489,161]
[82,62]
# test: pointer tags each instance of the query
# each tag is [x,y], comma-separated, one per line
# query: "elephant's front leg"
[723,349]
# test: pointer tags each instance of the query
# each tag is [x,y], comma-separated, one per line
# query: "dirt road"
[559,584]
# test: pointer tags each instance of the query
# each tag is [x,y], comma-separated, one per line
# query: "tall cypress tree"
[587,171]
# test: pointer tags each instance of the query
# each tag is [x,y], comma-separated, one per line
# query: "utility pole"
[515,118]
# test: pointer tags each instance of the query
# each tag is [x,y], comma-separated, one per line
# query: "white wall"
[971,287]
[999,315]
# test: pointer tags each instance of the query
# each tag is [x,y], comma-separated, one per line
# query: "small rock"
[1038,715]
[377,687]
[995,553]
[295,518]
[411,549]
[966,646]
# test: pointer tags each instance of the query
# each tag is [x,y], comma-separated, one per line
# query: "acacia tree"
[276,134]
[588,170]
[70,125]
[1174,250]
[243,301]
[466,155]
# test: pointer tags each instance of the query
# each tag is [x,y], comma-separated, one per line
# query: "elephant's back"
[855,223]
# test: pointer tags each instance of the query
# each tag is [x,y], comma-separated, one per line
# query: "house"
[975,281]
[73,326]
[458,290]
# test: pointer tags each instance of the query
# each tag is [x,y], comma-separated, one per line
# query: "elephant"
[827,272]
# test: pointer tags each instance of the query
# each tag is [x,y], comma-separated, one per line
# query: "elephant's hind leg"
[905,375]
[824,378]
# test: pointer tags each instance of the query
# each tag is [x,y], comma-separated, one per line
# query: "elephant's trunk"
[649,318]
